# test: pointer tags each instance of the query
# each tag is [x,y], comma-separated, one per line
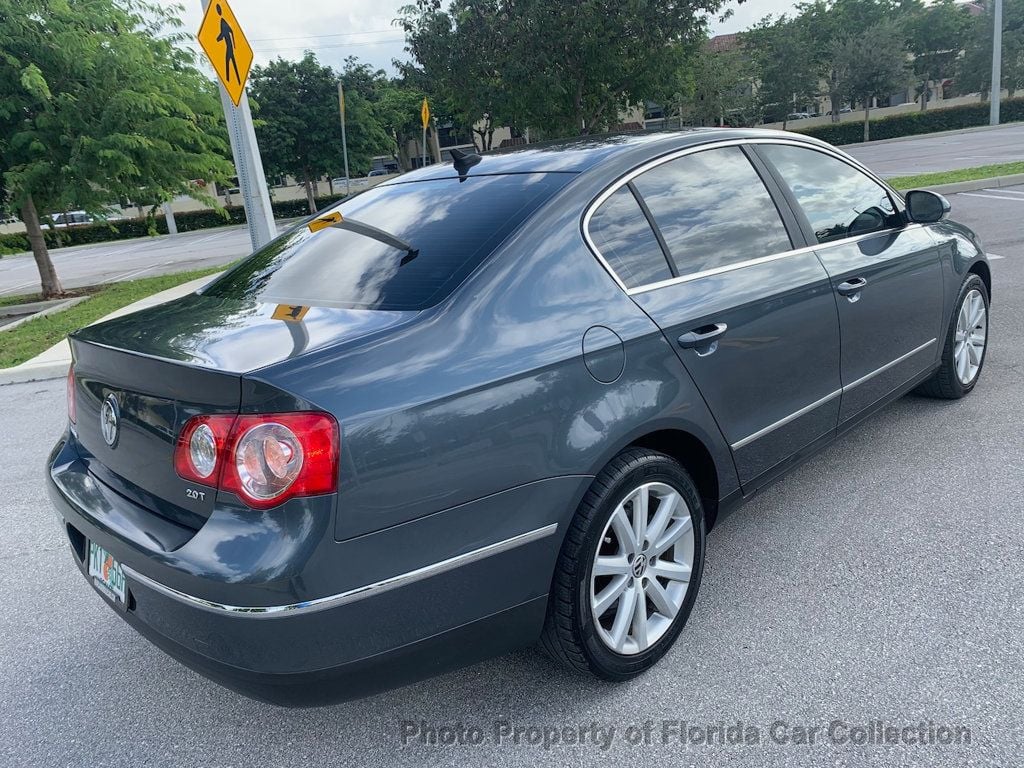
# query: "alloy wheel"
[642,568]
[971,335]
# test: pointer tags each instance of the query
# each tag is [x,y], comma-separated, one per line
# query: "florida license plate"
[106,573]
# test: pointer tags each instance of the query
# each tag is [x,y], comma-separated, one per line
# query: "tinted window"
[713,210]
[624,237]
[452,226]
[838,200]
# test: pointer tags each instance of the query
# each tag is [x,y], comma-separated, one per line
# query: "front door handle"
[852,287]
[703,336]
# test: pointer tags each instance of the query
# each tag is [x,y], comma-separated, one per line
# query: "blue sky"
[335,29]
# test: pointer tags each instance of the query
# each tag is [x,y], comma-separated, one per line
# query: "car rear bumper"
[485,598]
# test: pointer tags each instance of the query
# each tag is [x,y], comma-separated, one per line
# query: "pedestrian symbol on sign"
[227,34]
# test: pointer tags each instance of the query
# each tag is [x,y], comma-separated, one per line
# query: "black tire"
[569,632]
[945,383]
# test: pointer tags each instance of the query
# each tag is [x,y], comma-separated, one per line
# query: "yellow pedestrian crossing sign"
[225,45]
[425,114]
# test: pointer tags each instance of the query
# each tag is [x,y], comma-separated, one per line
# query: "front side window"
[713,210]
[838,200]
[624,237]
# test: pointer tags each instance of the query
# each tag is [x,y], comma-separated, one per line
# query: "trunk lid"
[164,365]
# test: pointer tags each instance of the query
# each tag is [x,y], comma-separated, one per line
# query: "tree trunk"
[867,120]
[835,99]
[924,94]
[47,274]
[785,121]
[310,197]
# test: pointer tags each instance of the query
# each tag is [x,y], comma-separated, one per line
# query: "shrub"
[915,123]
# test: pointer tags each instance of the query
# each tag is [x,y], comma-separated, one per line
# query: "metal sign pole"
[997,62]
[344,141]
[259,215]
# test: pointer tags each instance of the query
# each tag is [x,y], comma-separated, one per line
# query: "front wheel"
[966,343]
[629,569]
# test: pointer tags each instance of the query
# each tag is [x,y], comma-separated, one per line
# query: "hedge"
[914,123]
[130,228]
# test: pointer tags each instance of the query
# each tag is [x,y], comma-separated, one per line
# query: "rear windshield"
[452,227]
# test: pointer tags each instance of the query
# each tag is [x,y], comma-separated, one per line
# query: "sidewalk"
[54,362]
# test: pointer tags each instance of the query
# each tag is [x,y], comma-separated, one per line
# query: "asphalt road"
[880,581]
[129,259]
[947,152]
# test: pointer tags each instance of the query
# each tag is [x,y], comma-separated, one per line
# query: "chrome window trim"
[598,201]
[349,596]
[841,391]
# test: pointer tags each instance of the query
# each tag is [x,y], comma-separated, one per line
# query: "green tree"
[871,65]
[717,88]
[975,70]
[99,104]
[398,110]
[560,68]
[831,22]
[935,35]
[782,57]
[299,120]
[365,132]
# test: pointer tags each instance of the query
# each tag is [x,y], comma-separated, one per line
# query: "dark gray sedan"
[499,402]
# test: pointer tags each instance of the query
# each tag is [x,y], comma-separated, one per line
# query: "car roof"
[584,153]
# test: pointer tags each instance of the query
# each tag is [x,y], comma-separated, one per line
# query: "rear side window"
[451,226]
[838,200]
[713,210]
[625,239]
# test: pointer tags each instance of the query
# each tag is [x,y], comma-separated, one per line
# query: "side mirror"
[926,207]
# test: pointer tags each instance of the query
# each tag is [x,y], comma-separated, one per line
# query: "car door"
[751,319]
[886,273]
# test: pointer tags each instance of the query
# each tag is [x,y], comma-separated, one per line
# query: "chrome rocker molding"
[846,388]
[352,595]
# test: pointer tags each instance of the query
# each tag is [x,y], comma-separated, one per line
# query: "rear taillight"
[72,404]
[264,459]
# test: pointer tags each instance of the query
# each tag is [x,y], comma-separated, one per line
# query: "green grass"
[29,339]
[949,177]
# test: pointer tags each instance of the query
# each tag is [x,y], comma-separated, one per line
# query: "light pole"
[997,61]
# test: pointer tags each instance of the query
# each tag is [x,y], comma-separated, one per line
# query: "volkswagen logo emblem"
[639,565]
[110,420]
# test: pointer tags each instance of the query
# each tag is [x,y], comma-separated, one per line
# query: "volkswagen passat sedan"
[497,402]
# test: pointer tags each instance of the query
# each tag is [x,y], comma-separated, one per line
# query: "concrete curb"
[968,186]
[54,362]
[60,307]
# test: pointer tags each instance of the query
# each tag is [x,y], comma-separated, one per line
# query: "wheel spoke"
[679,529]
[660,598]
[973,354]
[606,565]
[961,365]
[606,599]
[670,570]
[622,529]
[639,624]
[624,617]
[666,509]
[640,506]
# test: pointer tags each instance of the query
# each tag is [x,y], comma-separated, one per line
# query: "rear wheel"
[963,354]
[629,569]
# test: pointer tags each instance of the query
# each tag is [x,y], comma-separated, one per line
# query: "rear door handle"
[852,287]
[703,336]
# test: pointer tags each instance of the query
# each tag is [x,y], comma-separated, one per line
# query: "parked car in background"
[798,115]
[378,172]
[498,401]
[68,219]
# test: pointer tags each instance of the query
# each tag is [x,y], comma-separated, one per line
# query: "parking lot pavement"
[945,152]
[129,259]
[881,581]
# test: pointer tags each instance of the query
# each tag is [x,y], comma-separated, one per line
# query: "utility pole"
[997,63]
[259,216]
[344,141]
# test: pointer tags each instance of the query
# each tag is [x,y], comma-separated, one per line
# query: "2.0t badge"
[110,420]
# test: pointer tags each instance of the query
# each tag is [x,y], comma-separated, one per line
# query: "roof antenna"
[463,161]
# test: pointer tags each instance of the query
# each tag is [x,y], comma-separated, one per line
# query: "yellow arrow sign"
[425,114]
[225,45]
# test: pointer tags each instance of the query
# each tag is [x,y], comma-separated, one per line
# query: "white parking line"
[993,197]
[994,256]
[1004,191]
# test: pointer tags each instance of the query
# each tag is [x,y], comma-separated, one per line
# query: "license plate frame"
[105,573]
